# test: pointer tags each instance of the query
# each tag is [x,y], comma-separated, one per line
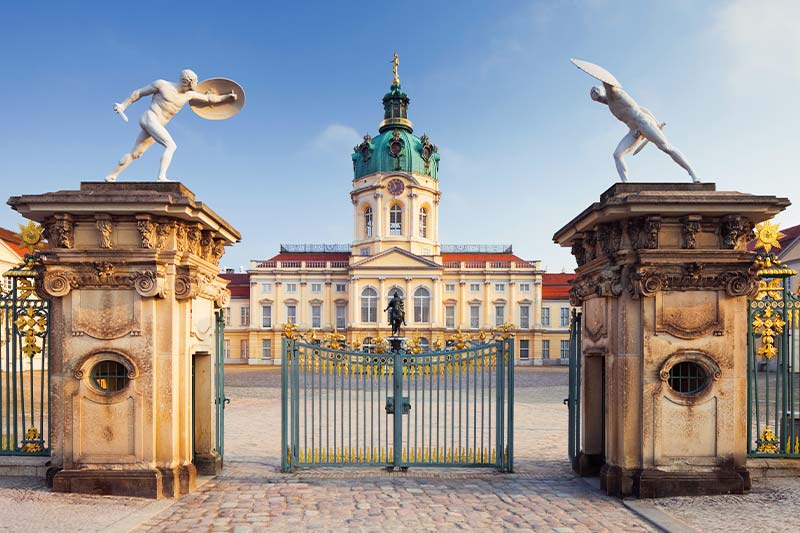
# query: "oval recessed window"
[688,377]
[109,376]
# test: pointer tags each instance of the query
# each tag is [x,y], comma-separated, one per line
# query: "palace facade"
[395,248]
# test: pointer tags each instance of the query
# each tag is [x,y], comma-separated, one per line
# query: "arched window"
[396,220]
[422,305]
[423,223]
[393,290]
[424,344]
[368,222]
[369,305]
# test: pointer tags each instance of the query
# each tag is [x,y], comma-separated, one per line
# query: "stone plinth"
[663,277]
[131,269]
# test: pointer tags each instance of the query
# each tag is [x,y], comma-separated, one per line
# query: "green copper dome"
[396,148]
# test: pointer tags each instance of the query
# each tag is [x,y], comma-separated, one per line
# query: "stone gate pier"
[131,269]
[663,278]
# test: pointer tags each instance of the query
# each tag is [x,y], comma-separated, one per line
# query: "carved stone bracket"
[734,231]
[689,231]
[105,226]
[609,236]
[59,231]
[643,232]
[180,237]
[162,233]
[579,252]
[147,232]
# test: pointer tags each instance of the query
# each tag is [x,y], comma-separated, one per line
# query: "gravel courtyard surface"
[252,494]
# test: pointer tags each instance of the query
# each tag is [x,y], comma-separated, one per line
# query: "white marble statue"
[168,99]
[642,125]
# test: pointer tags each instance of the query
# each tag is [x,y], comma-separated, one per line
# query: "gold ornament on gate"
[768,236]
[31,235]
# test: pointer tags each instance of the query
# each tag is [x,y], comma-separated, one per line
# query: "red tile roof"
[328,256]
[556,286]
[11,239]
[239,284]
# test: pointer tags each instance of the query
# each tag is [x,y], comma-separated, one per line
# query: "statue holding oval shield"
[212,99]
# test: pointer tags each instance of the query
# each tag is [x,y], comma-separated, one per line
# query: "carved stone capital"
[643,232]
[193,236]
[103,275]
[181,237]
[609,236]
[149,283]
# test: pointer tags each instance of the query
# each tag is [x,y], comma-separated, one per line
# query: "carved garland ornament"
[647,283]
[147,232]
[147,283]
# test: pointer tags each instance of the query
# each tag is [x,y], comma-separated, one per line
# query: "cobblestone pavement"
[252,495]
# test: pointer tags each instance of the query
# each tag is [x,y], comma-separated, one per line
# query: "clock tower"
[395,190]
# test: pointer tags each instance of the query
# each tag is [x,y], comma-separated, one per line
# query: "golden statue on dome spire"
[395,63]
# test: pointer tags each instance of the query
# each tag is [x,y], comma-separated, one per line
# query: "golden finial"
[767,236]
[395,63]
[290,331]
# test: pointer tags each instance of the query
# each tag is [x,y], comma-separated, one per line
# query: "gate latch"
[390,405]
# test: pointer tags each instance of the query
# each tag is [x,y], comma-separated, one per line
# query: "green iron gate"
[773,414]
[219,382]
[453,407]
[24,369]
[573,401]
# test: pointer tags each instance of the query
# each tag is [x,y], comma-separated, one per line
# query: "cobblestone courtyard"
[252,494]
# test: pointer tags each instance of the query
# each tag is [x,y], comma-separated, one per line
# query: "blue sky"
[523,148]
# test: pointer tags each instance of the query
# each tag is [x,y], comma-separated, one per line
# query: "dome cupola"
[396,148]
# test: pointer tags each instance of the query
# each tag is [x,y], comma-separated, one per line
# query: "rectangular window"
[524,349]
[474,287]
[545,316]
[227,316]
[245,316]
[524,287]
[341,316]
[449,287]
[564,316]
[227,348]
[291,287]
[524,316]
[474,316]
[266,349]
[266,287]
[449,316]
[395,221]
[499,287]
[291,314]
[499,315]
[266,316]
[364,251]
[564,349]
[341,287]
[316,316]
[545,349]
[316,287]
[243,349]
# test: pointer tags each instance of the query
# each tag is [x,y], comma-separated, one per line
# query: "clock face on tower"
[395,187]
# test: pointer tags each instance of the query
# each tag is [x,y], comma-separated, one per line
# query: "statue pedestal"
[396,343]
[132,272]
[663,278]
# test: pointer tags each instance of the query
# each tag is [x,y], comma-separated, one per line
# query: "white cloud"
[763,38]
[336,138]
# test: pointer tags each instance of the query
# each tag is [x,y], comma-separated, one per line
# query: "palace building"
[395,248]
